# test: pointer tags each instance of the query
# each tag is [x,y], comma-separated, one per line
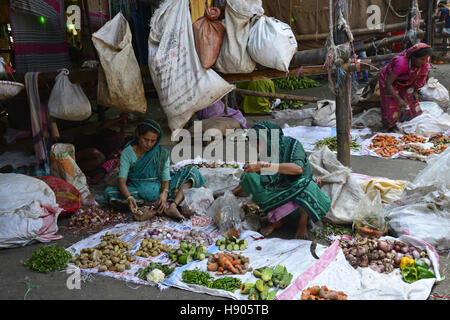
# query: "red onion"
[404,250]
[397,248]
[427,261]
[416,254]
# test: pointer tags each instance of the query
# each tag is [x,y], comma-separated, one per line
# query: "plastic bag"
[227,213]
[67,100]
[120,82]
[63,166]
[326,114]
[183,86]
[197,201]
[233,56]
[369,216]
[435,91]
[208,36]
[272,43]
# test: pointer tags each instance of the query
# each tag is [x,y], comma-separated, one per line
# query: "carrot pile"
[322,293]
[385,145]
[228,263]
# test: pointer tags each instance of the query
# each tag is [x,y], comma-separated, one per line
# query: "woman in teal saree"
[145,177]
[289,189]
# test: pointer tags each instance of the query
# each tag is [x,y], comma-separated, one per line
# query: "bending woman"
[291,190]
[145,177]
[400,81]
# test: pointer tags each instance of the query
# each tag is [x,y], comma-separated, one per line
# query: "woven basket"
[9,89]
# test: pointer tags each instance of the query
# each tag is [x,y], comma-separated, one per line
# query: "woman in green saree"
[145,177]
[289,189]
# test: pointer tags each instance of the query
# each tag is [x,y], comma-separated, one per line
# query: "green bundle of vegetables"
[188,252]
[143,272]
[331,143]
[203,278]
[48,258]
[294,83]
[231,243]
[290,104]
[268,278]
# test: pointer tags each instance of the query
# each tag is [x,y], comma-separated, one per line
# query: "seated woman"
[400,81]
[290,190]
[145,177]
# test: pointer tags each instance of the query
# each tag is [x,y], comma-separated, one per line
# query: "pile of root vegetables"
[387,146]
[379,255]
[228,264]
[322,293]
[94,217]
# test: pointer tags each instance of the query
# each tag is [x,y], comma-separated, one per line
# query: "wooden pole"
[358,32]
[383,42]
[430,23]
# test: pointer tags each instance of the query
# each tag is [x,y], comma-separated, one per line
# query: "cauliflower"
[155,275]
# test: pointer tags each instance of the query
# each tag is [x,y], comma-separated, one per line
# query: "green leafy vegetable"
[294,83]
[331,143]
[48,258]
[205,279]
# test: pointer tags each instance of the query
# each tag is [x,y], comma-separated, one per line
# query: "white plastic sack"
[424,209]
[233,56]
[272,43]
[368,118]
[220,180]
[432,120]
[338,183]
[67,100]
[197,200]
[435,91]
[183,86]
[28,211]
[120,83]
[326,114]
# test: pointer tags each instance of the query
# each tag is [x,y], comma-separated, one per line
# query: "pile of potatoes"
[107,255]
[151,248]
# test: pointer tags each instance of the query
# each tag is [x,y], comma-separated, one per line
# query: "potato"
[115,259]
[123,261]
[108,263]
[121,268]
[127,265]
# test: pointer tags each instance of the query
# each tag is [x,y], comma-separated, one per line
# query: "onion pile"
[95,217]
[379,255]
[198,237]
[161,234]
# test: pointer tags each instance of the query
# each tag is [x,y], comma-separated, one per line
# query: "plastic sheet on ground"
[134,234]
[309,136]
[331,269]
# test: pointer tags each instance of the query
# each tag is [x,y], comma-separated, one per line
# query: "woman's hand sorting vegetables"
[253,167]
[132,204]
[161,202]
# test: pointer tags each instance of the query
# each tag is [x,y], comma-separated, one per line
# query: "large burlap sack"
[120,83]
[233,56]
[183,86]
[67,100]
[272,43]
[208,36]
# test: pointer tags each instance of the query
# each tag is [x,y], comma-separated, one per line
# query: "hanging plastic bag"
[233,56]
[197,201]
[183,86]
[227,213]
[326,114]
[67,100]
[272,43]
[369,216]
[120,83]
[208,36]
[435,91]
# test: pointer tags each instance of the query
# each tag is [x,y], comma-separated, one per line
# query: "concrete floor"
[14,276]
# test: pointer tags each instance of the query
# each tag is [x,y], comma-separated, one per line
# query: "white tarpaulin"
[309,136]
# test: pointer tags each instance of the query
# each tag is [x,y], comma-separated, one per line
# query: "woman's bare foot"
[271,228]
[302,235]
[302,230]
[173,212]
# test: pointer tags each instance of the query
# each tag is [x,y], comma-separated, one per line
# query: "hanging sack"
[67,100]
[120,83]
[233,56]
[272,43]
[208,36]
[183,86]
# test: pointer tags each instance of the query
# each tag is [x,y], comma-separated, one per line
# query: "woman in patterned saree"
[400,81]
[290,189]
[145,177]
